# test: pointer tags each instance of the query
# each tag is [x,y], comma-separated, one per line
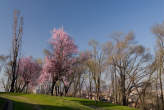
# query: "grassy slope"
[103,105]
[45,102]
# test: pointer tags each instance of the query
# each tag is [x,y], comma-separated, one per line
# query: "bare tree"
[3,60]
[16,46]
[158,30]
[128,62]
[97,64]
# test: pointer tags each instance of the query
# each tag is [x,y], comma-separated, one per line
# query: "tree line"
[123,69]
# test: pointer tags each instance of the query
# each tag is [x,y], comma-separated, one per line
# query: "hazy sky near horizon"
[82,19]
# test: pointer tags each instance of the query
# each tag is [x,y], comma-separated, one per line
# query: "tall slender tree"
[158,30]
[96,65]
[16,47]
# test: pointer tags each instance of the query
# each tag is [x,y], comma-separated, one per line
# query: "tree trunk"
[13,84]
[66,90]
[13,76]
[52,87]
[56,90]
[23,87]
[160,79]
[123,89]
[90,91]
[98,89]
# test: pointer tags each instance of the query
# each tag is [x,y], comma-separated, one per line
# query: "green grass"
[103,105]
[46,102]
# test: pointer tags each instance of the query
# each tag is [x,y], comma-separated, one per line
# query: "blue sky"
[82,19]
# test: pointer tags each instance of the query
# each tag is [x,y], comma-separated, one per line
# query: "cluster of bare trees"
[135,76]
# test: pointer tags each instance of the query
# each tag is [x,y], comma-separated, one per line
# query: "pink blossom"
[59,65]
[29,71]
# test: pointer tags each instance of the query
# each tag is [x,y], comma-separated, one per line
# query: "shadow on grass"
[27,106]
[95,103]
[103,105]
[2,103]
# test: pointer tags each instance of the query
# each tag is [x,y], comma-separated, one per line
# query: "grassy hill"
[46,102]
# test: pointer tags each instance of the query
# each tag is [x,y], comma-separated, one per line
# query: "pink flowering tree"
[29,72]
[58,64]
